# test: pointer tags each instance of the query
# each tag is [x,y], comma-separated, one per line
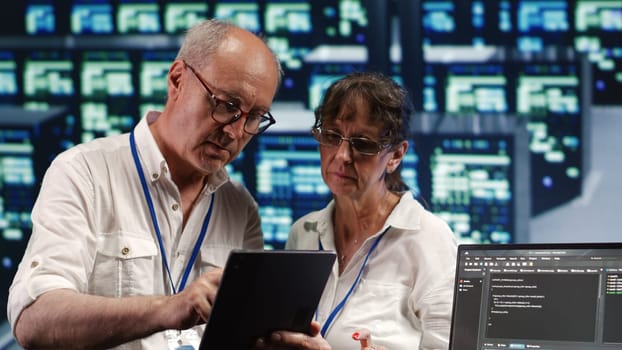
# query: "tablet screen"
[264,291]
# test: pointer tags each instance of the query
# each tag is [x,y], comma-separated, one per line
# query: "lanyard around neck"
[341,304]
[156,227]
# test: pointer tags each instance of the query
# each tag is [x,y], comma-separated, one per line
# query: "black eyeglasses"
[226,112]
[362,145]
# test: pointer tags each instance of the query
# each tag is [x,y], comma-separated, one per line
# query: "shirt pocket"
[379,306]
[126,264]
[214,257]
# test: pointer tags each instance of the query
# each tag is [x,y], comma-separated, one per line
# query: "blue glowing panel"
[549,94]
[243,13]
[468,181]
[598,15]
[48,76]
[466,88]
[9,89]
[476,88]
[342,22]
[107,104]
[181,15]
[438,22]
[138,16]
[542,23]
[92,17]
[289,33]
[288,182]
[153,75]
[598,27]
[40,18]
[288,17]
[607,76]
[322,76]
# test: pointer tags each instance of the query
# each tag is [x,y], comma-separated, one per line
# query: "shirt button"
[175,206]
[155,176]
[125,251]
[34,264]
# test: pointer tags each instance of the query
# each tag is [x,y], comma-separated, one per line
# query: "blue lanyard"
[154,219]
[340,306]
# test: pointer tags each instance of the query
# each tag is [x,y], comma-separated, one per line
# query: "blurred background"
[518,104]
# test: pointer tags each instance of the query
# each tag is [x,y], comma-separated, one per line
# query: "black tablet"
[263,291]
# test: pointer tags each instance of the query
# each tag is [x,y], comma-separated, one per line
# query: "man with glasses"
[128,230]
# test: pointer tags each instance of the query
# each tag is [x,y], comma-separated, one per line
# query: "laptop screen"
[538,296]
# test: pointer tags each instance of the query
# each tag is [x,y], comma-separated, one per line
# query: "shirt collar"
[405,216]
[153,162]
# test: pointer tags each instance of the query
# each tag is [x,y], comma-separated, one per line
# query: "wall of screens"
[105,63]
[550,94]
[29,140]
[591,27]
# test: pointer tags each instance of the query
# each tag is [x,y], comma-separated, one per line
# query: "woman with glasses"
[392,284]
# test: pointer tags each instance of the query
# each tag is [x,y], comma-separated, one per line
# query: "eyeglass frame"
[317,131]
[267,116]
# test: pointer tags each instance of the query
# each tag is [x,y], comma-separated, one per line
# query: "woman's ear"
[397,154]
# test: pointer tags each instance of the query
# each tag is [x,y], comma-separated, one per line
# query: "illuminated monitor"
[598,27]
[549,96]
[243,13]
[473,22]
[553,296]
[288,182]
[40,17]
[182,14]
[339,22]
[92,17]
[438,21]
[607,79]
[598,15]
[106,74]
[289,31]
[469,181]
[48,76]
[138,16]
[492,22]
[153,75]
[543,23]
[288,17]
[28,142]
[323,75]
[466,88]
[107,97]
[9,90]
[288,27]
[476,88]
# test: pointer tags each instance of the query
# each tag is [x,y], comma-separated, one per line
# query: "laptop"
[538,296]
[266,290]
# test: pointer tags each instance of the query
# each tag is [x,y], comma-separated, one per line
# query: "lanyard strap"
[156,227]
[341,304]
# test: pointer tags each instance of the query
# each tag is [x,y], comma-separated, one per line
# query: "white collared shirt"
[405,292]
[93,233]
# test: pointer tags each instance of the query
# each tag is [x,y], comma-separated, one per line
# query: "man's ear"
[175,73]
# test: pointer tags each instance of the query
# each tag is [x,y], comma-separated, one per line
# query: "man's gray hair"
[203,39]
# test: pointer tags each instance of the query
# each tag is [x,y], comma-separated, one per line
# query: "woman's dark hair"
[389,106]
